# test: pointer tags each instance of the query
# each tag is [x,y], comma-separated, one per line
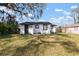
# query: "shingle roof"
[31,23]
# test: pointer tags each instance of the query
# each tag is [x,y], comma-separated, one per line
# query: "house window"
[45,27]
[36,26]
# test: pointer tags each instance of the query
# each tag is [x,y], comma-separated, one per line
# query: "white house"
[73,28]
[36,28]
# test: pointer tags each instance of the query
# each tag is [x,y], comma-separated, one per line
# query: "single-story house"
[36,28]
[73,28]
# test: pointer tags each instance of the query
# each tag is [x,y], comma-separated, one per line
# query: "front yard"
[42,45]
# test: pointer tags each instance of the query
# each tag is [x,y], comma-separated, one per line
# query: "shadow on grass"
[33,48]
[26,36]
[5,36]
[37,47]
[30,49]
[69,45]
[65,35]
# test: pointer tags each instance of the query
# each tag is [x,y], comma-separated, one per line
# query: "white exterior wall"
[30,29]
[37,30]
[22,29]
[48,30]
[53,30]
[40,29]
[73,30]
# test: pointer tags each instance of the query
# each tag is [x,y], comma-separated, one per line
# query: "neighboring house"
[36,28]
[73,28]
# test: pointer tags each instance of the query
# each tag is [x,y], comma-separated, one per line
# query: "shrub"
[8,28]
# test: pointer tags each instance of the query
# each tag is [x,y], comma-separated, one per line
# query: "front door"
[26,29]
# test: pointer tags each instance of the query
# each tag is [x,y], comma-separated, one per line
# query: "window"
[36,26]
[45,27]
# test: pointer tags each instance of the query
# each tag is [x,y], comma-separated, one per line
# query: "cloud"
[47,8]
[62,11]
[2,8]
[66,12]
[58,10]
[62,20]
[43,20]
[69,17]
[57,20]
[30,15]
[74,6]
[53,18]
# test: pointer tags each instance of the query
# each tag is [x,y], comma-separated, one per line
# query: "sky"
[56,13]
[59,13]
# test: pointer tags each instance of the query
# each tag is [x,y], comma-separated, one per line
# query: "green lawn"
[60,44]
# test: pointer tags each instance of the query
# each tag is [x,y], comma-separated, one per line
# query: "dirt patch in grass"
[41,45]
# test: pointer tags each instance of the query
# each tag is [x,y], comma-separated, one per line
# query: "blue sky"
[59,13]
[56,13]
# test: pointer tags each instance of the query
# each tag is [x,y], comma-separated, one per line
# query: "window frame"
[36,26]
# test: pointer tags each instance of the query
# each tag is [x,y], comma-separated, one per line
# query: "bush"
[8,28]
[59,29]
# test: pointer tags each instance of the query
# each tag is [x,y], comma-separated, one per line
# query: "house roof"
[71,25]
[31,23]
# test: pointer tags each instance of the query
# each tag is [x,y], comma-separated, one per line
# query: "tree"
[22,9]
[75,15]
[10,11]
[59,29]
[12,25]
[8,28]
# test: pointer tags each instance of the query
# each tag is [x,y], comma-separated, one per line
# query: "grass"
[60,44]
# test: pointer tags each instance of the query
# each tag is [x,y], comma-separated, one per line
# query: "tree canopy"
[11,10]
[75,14]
